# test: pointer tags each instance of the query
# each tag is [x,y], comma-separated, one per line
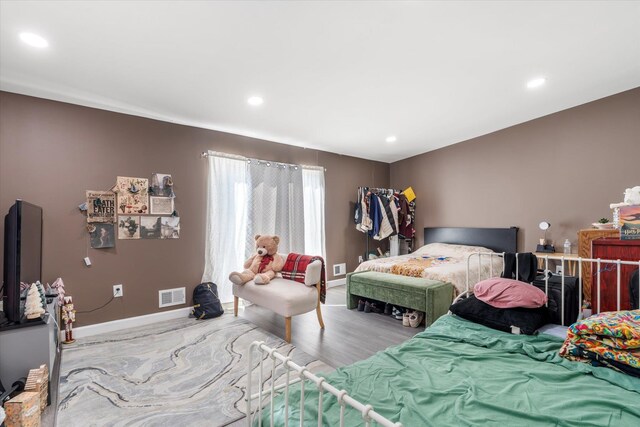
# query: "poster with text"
[150,227]
[133,195]
[128,227]
[630,222]
[170,226]
[161,205]
[101,206]
[103,236]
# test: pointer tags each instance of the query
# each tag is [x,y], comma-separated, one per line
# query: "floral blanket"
[439,261]
[609,339]
[414,267]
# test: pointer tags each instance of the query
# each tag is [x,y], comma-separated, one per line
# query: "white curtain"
[314,232]
[245,198]
[276,205]
[226,224]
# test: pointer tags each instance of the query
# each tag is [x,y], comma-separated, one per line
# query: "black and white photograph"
[103,236]
[161,184]
[170,227]
[161,205]
[150,227]
[128,227]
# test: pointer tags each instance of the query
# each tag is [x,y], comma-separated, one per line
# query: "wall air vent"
[169,297]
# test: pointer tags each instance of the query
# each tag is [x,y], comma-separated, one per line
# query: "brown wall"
[51,152]
[565,168]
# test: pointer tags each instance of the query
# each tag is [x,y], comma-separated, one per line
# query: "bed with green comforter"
[458,373]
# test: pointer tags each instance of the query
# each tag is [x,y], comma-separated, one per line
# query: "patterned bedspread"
[609,339]
[438,261]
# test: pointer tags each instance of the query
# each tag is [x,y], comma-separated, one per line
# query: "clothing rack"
[387,192]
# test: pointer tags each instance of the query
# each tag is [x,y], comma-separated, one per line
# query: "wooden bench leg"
[318,311]
[235,306]
[287,329]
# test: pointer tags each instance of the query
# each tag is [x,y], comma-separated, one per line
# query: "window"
[246,197]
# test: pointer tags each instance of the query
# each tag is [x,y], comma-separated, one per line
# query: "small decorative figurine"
[69,316]
[33,307]
[58,285]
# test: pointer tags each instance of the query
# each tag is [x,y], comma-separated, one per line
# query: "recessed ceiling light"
[34,40]
[391,138]
[255,101]
[537,82]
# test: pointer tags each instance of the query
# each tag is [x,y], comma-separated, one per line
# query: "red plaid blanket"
[295,268]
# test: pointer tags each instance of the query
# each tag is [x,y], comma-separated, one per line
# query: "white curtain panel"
[275,205]
[314,232]
[226,229]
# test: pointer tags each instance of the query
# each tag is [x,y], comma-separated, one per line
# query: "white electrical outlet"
[118,291]
[87,261]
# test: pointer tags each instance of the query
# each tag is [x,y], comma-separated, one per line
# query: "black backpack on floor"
[206,304]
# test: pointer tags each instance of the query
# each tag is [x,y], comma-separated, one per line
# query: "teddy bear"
[263,265]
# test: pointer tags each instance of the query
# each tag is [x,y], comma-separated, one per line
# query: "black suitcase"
[571,298]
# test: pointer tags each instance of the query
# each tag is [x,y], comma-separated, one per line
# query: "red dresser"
[609,248]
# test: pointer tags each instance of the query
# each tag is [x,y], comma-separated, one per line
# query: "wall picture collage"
[135,208]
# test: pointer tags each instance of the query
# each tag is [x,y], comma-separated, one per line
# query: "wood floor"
[349,335]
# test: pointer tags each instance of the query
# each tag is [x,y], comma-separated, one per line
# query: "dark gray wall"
[565,168]
[51,152]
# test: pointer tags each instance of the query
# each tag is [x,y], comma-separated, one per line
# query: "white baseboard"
[129,322]
[336,282]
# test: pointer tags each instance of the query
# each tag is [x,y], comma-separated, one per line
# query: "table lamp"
[543,246]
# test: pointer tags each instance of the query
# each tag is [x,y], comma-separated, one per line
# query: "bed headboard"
[496,239]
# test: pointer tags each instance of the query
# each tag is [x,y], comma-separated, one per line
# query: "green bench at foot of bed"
[430,296]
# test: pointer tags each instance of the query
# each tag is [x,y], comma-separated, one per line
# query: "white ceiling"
[337,76]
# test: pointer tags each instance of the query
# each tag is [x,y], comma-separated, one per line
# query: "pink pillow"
[509,293]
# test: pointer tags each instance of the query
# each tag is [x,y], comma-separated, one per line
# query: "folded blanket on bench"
[295,268]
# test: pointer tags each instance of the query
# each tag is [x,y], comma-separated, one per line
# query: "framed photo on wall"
[103,236]
[161,205]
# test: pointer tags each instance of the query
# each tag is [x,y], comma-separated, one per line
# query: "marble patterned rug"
[183,372]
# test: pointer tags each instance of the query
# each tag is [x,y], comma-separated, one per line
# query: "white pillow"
[447,249]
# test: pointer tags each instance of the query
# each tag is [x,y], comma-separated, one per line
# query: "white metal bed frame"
[369,415]
[562,259]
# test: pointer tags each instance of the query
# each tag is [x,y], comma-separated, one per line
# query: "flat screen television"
[22,254]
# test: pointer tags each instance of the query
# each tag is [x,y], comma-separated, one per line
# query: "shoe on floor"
[367,307]
[405,318]
[361,305]
[388,309]
[399,313]
[415,319]
[377,307]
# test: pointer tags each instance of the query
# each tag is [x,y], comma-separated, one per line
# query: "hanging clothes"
[385,213]
[385,230]
[405,217]
[375,213]
[361,214]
